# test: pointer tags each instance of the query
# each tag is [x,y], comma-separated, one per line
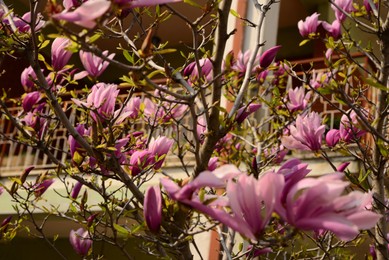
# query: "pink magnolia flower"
[41,187]
[152,208]
[307,134]
[23,24]
[144,3]
[72,3]
[86,14]
[30,99]
[245,111]
[318,204]
[348,130]
[131,110]
[139,161]
[212,164]
[25,79]
[240,63]
[80,241]
[309,25]
[59,54]
[73,144]
[268,56]
[251,201]
[333,29]
[342,167]
[293,171]
[76,190]
[101,100]
[332,137]
[298,99]
[192,72]
[158,149]
[94,65]
[345,5]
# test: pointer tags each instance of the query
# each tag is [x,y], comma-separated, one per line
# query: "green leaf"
[121,230]
[235,13]
[375,84]
[192,3]
[304,42]
[128,56]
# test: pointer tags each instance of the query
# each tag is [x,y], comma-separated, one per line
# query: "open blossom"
[144,3]
[318,204]
[59,54]
[86,14]
[348,130]
[298,100]
[101,99]
[333,29]
[240,63]
[310,25]
[80,241]
[341,6]
[307,134]
[93,64]
[152,208]
[23,24]
[72,3]
[251,200]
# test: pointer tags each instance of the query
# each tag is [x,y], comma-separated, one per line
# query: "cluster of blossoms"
[248,204]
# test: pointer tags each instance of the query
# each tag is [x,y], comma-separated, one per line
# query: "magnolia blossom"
[73,144]
[268,56]
[348,130]
[80,241]
[240,63]
[144,3]
[333,29]
[94,65]
[192,72]
[41,187]
[298,99]
[139,161]
[27,78]
[309,25]
[164,112]
[59,53]
[152,208]
[251,201]
[341,7]
[72,3]
[318,204]
[76,190]
[307,134]
[86,14]
[23,24]
[130,110]
[212,164]
[30,99]
[101,100]
[158,149]
[332,137]
[244,112]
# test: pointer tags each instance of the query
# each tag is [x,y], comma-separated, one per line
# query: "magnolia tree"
[242,174]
